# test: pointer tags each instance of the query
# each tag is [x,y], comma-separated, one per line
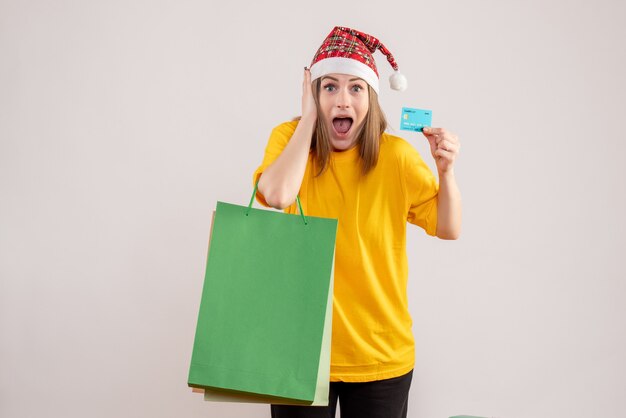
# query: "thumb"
[432,140]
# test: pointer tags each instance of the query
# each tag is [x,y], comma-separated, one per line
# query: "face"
[344,102]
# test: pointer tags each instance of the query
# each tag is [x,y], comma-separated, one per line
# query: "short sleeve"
[279,138]
[422,189]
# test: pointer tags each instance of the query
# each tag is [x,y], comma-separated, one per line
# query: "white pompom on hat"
[348,51]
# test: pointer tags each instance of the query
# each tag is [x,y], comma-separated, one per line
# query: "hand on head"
[309,110]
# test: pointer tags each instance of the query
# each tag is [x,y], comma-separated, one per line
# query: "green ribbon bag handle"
[256,186]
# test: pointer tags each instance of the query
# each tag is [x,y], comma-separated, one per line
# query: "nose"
[343,99]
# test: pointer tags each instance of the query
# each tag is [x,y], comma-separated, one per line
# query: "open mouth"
[342,125]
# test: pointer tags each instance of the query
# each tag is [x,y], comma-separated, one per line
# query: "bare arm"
[448,207]
[280,182]
[444,147]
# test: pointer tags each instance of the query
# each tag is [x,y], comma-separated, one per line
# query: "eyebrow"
[333,78]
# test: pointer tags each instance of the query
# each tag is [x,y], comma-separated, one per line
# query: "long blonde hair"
[368,137]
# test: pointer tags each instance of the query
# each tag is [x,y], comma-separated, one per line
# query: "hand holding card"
[444,146]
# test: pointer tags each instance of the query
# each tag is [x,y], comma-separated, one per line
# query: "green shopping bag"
[263,331]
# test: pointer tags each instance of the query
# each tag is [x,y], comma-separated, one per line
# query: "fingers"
[429,130]
[308,102]
[444,146]
[445,154]
[448,145]
[439,133]
[442,139]
[444,161]
[306,82]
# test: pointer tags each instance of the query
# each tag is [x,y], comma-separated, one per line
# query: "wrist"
[446,174]
[308,120]
[305,128]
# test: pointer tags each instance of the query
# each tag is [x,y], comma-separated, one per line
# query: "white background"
[123,122]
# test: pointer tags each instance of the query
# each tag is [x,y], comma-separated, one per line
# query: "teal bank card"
[415,119]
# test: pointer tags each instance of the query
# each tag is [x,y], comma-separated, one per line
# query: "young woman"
[343,165]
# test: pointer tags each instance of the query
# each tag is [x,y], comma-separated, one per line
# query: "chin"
[342,145]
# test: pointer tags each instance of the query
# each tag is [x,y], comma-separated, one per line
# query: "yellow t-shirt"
[371,335]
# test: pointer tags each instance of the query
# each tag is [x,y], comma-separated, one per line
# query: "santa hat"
[348,51]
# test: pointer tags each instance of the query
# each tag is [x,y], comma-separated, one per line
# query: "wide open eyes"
[357,88]
[331,87]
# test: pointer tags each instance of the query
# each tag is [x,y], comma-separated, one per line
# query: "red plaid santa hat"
[348,51]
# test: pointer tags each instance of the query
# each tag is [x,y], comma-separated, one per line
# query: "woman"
[343,165]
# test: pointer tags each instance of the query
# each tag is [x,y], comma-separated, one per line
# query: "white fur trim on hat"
[350,66]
